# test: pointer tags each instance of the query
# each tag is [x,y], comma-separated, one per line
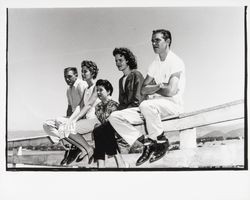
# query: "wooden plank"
[213,116]
[219,107]
[42,158]
[36,141]
[218,114]
[32,141]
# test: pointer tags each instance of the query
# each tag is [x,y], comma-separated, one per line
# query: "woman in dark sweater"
[129,96]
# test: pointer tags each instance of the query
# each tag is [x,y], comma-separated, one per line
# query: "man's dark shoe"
[148,150]
[73,154]
[65,158]
[160,151]
[141,139]
[162,138]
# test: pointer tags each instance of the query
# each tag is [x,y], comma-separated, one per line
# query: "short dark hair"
[106,84]
[91,66]
[128,55]
[73,69]
[166,34]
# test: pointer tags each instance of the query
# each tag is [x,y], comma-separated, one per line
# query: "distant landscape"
[227,130]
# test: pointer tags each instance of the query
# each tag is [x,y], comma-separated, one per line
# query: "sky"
[42,42]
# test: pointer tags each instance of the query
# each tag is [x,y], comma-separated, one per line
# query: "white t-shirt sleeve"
[151,70]
[177,67]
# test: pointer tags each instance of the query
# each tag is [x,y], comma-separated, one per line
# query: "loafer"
[148,150]
[160,152]
[73,154]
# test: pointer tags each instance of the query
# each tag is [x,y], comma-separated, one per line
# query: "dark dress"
[105,141]
[105,136]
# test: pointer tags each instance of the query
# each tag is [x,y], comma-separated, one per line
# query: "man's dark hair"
[92,67]
[128,55]
[73,69]
[166,34]
[106,84]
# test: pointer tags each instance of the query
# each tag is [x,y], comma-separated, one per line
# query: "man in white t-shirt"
[164,84]
[74,94]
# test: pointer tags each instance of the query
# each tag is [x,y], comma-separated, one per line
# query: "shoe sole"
[138,164]
[71,161]
[80,159]
[151,161]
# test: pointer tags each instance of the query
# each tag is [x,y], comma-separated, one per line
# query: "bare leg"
[82,144]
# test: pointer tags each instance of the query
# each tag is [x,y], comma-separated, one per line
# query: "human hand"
[96,125]
[161,85]
[69,127]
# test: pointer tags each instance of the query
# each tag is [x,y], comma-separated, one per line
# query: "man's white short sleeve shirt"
[161,71]
[75,93]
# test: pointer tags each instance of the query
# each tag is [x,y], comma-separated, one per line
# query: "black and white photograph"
[126,89]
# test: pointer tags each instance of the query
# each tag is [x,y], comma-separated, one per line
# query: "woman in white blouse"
[83,118]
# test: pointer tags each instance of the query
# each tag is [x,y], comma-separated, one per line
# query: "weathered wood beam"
[218,114]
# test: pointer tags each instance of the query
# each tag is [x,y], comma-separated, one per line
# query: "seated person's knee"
[143,105]
[45,125]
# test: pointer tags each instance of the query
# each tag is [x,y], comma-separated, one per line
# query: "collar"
[76,83]
[129,73]
[94,82]
[158,57]
[108,100]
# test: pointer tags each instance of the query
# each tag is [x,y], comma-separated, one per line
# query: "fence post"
[188,138]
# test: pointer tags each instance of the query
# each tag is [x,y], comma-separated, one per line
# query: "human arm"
[149,86]
[80,91]
[69,111]
[81,88]
[134,89]
[171,88]
[69,108]
[82,109]
[165,89]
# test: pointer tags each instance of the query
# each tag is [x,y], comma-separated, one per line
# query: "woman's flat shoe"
[80,158]
[73,154]
[91,159]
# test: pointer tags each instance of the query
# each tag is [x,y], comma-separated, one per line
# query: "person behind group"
[129,96]
[164,84]
[74,95]
[83,119]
